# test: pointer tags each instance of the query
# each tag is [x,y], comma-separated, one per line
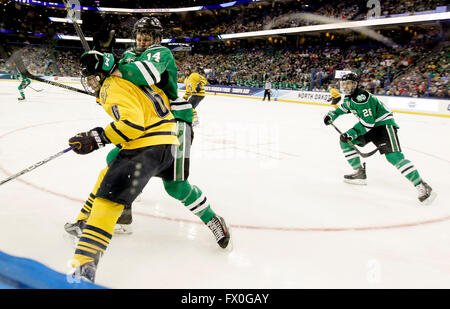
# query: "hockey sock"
[351,155]
[87,207]
[21,91]
[405,167]
[98,231]
[192,197]
[195,116]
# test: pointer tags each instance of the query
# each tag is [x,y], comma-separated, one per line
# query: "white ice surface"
[273,170]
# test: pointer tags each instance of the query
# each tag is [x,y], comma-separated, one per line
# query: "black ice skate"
[426,193]
[123,225]
[221,232]
[21,99]
[74,231]
[357,178]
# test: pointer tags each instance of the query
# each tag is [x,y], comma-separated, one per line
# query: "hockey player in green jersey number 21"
[377,125]
[149,63]
[24,82]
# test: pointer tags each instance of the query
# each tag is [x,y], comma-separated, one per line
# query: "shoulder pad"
[360,96]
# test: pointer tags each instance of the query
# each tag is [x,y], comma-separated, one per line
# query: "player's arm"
[201,83]
[188,88]
[335,96]
[182,110]
[148,70]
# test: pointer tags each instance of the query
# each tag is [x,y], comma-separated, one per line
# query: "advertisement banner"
[232,90]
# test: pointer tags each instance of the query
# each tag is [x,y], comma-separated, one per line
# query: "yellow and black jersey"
[195,85]
[141,114]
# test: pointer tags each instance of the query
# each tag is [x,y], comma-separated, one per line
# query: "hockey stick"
[71,14]
[21,66]
[36,165]
[364,155]
[37,90]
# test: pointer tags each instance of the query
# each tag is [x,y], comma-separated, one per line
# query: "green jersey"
[370,111]
[156,66]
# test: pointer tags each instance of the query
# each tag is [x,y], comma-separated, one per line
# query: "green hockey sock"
[351,155]
[405,167]
[192,197]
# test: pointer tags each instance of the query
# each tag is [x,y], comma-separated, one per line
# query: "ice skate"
[426,193]
[357,178]
[86,271]
[221,232]
[124,223]
[74,231]
[21,98]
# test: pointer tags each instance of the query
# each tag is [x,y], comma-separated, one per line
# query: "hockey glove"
[94,62]
[87,142]
[329,118]
[348,136]
[104,40]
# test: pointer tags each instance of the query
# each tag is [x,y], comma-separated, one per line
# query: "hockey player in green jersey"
[149,63]
[377,125]
[24,82]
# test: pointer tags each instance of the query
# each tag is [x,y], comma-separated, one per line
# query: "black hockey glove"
[104,40]
[87,142]
[329,118]
[94,62]
[334,101]
[348,136]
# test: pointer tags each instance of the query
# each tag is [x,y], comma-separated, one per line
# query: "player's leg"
[75,228]
[196,202]
[124,180]
[22,94]
[177,186]
[359,177]
[195,100]
[395,156]
[95,237]
[26,82]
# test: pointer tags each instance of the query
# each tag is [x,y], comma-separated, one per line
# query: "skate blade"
[229,247]
[124,229]
[361,182]
[429,200]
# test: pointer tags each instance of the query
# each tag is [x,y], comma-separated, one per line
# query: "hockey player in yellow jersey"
[195,90]
[148,31]
[145,130]
[335,96]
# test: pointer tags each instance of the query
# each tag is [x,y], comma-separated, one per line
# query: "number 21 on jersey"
[367,112]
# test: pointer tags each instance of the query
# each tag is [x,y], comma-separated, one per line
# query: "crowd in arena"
[242,18]
[399,71]
[411,68]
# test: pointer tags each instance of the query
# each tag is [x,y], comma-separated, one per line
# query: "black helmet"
[349,77]
[150,25]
